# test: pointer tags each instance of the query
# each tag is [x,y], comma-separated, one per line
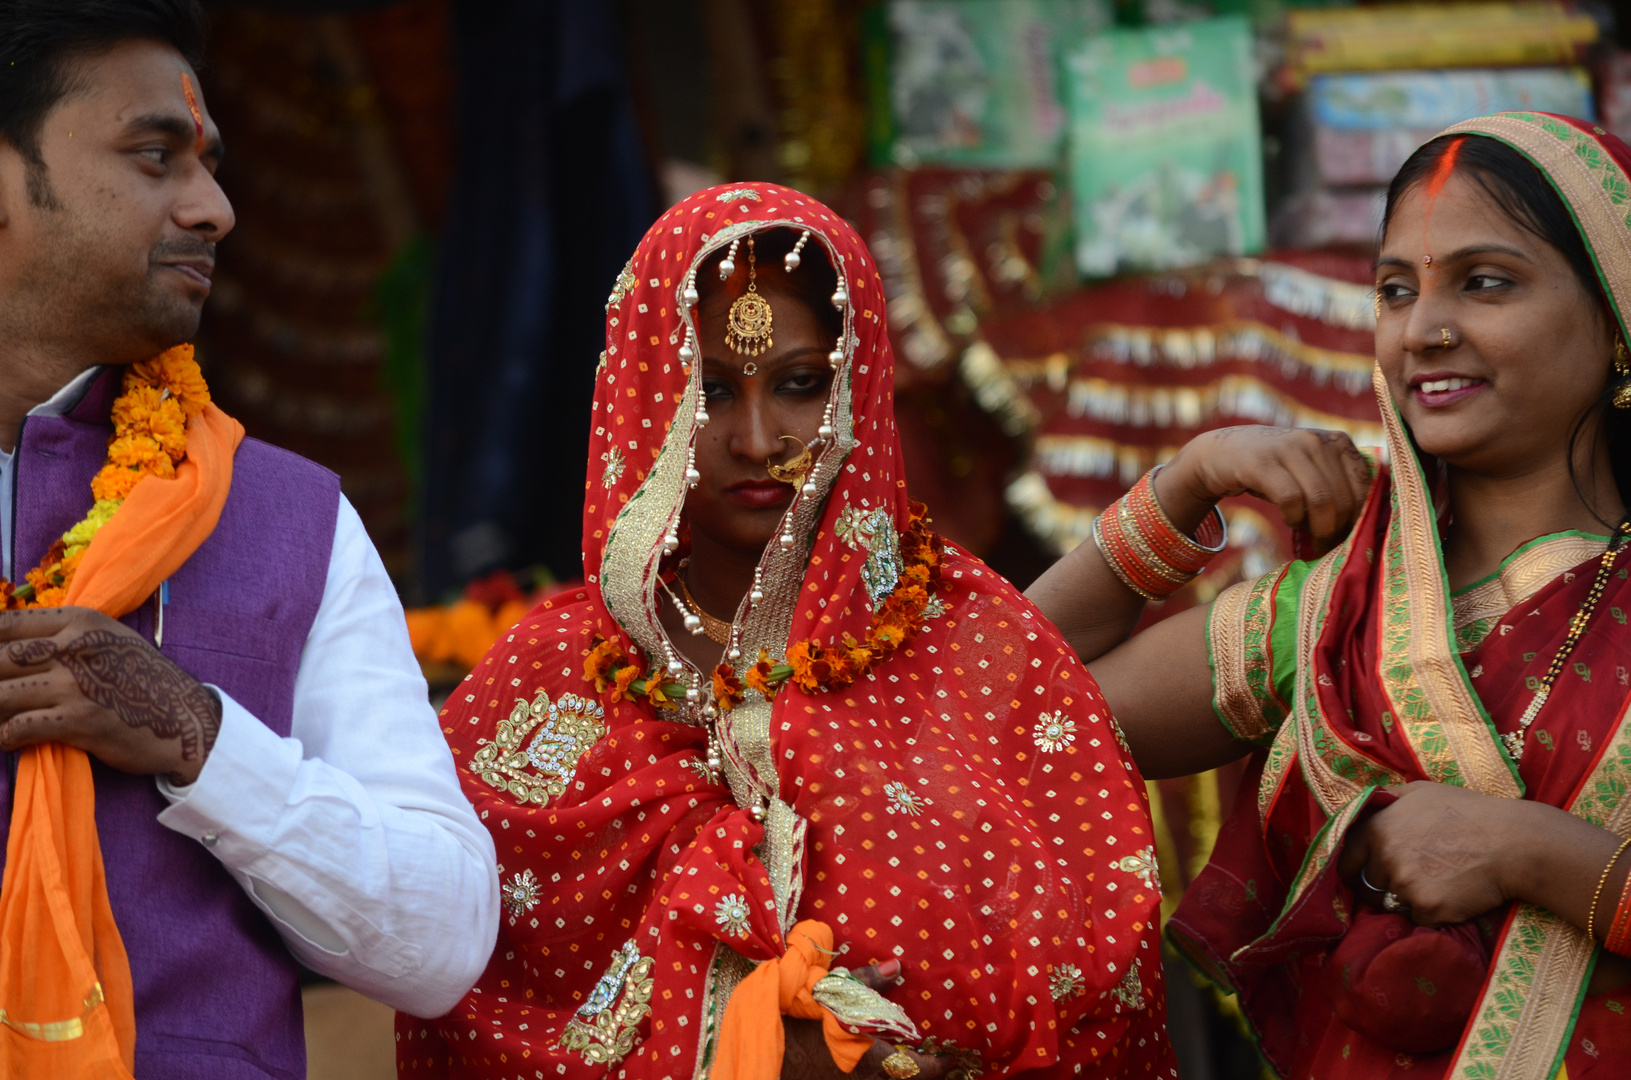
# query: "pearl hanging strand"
[792,260]
[727,265]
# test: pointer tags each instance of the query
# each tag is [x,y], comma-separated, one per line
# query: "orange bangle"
[1143,547]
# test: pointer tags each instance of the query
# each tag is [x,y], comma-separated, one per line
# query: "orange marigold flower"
[802,657]
[50,596]
[177,370]
[621,681]
[114,482]
[728,691]
[603,658]
[886,637]
[757,677]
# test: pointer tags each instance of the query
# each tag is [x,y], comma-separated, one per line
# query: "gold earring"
[1622,372]
[750,320]
[796,470]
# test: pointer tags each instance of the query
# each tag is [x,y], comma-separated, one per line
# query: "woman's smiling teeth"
[1440,386]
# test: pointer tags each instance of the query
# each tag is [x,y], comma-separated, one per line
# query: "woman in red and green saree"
[1427,852]
[786,731]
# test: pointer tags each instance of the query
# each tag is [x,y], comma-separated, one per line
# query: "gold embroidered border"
[1592,186]
[1523,577]
[1542,962]
[1238,627]
[1421,671]
[1334,770]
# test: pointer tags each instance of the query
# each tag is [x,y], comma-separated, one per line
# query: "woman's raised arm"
[1159,682]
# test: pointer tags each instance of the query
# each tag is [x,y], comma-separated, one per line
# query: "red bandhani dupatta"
[1381,696]
[967,807]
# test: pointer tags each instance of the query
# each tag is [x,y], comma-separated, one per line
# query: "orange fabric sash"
[751,1039]
[66,1007]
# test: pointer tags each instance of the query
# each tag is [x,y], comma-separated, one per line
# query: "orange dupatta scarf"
[66,1007]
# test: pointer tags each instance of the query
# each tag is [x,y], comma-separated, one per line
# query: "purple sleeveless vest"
[217,993]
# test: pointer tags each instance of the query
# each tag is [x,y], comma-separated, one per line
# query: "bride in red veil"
[881,758]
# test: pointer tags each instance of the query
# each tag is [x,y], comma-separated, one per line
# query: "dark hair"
[813,282]
[40,38]
[1524,194]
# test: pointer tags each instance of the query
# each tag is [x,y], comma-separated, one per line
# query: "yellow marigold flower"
[82,534]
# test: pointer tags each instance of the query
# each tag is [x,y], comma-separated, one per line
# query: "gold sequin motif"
[565,729]
[603,1030]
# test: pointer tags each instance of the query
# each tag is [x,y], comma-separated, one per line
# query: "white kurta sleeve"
[352,834]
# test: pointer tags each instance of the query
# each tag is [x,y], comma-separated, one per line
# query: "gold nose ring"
[1444,334]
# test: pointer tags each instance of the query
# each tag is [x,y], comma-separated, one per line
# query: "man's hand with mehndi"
[806,1056]
[72,675]
[1317,479]
[1451,855]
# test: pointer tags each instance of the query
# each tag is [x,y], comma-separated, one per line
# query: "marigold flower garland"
[808,665]
[150,416]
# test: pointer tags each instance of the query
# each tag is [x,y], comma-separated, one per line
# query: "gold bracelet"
[1591,916]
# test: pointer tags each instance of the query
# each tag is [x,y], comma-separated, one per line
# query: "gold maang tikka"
[749,323]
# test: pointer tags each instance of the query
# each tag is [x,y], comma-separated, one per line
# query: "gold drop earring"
[750,320]
[1622,372]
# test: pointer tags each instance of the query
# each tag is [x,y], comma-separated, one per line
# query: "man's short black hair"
[40,38]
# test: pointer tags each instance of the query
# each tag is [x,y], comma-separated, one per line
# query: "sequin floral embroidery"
[732,915]
[873,532]
[614,468]
[626,283]
[736,194]
[1130,990]
[1142,865]
[521,894]
[566,729]
[1066,981]
[603,1030]
[903,800]
[1054,732]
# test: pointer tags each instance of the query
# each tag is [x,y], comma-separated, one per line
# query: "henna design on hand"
[138,684]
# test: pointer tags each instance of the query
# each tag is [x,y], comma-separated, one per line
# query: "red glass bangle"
[1145,550]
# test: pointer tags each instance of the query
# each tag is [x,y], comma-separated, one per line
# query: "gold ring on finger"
[900,1064]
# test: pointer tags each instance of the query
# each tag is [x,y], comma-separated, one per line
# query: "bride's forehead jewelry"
[749,323]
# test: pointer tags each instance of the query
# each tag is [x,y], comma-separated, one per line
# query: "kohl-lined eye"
[1393,290]
[716,389]
[1479,282]
[803,382]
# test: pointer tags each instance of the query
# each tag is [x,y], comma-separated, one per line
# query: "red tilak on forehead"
[1435,184]
[192,107]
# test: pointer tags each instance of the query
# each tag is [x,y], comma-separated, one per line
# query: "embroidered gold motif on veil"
[603,1030]
[565,730]
[873,531]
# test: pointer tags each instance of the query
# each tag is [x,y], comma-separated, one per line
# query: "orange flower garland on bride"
[808,665]
[158,399]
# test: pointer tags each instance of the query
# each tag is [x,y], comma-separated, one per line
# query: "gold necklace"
[1514,740]
[717,631]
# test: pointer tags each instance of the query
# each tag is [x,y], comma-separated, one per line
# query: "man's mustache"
[182,249]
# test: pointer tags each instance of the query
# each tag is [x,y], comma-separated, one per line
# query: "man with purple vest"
[271,784]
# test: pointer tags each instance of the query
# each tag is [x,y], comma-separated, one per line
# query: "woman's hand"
[1453,854]
[807,1058]
[1317,479]
[1440,849]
